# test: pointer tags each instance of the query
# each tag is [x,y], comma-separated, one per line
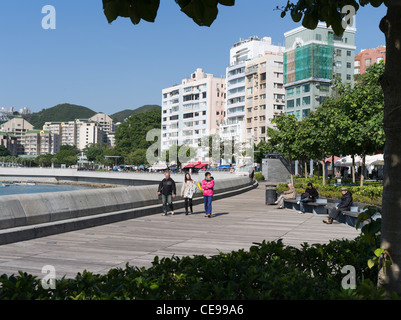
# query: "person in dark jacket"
[310,195]
[344,205]
[168,191]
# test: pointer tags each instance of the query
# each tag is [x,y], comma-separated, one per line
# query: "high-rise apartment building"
[108,127]
[88,132]
[264,95]
[312,60]
[105,122]
[37,142]
[17,127]
[98,128]
[192,110]
[254,63]
[69,133]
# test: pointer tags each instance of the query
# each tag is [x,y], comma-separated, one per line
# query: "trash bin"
[271,194]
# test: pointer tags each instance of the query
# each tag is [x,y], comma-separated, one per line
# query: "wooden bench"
[317,207]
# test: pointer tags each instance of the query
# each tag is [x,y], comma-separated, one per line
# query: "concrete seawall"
[30,216]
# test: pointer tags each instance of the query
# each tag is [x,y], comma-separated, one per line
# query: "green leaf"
[378,252]
[371,263]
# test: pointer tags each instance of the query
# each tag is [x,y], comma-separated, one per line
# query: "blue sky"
[111,67]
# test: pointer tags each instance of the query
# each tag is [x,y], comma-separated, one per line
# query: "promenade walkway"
[238,221]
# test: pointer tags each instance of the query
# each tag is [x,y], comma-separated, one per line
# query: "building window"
[349,53]
[348,65]
[348,77]
[306,101]
[290,92]
[337,38]
[324,88]
[305,112]
[368,62]
[306,88]
[290,104]
[318,37]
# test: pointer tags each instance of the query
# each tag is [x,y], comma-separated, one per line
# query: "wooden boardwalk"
[238,221]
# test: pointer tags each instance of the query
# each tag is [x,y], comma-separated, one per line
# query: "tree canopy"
[131,134]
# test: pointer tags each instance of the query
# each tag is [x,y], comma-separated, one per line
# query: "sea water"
[21,188]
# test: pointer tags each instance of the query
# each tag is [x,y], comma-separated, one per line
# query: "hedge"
[268,270]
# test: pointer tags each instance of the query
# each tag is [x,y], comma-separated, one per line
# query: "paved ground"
[238,221]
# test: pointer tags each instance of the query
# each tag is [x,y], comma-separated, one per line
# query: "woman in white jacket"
[187,191]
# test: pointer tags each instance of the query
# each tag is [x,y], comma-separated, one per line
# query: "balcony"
[251,70]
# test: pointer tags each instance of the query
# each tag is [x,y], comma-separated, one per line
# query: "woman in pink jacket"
[207,186]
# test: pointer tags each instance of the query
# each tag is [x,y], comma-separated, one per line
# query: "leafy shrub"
[268,270]
[259,176]
[369,194]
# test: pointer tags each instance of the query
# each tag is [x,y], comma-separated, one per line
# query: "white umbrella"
[377,159]
[347,161]
[159,166]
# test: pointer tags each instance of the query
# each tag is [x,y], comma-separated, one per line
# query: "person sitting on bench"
[344,205]
[291,193]
[310,195]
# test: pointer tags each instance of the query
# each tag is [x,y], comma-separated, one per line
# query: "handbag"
[304,195]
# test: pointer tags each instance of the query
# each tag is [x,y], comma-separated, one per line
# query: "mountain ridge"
[68,112]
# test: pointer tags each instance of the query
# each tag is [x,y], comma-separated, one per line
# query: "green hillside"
[125,114]
[62,112]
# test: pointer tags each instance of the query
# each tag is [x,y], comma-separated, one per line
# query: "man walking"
[168,191]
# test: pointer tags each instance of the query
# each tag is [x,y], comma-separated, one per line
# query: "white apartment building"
[98,128]
[88,132]
[69,133]
[254,80]
[192,110]
[37,142]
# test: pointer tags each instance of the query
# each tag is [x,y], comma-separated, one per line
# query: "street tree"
[363,107]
